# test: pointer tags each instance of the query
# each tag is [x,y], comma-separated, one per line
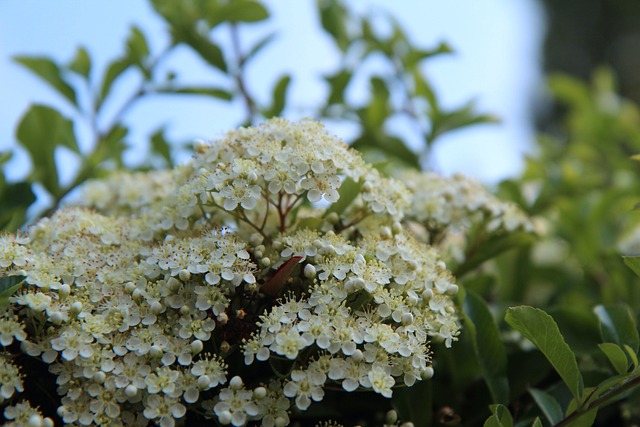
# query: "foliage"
[552,239]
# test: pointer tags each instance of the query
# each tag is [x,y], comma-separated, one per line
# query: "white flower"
[304,387]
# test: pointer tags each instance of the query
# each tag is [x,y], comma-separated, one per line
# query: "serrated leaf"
[548,404]
[616,356]
[488,346]
[279,97]
[41,129]
[540,328]
[50,72]
[349,190]
[81,62]
[618,325]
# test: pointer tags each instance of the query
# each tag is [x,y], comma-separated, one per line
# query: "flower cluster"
[239,287]
[443,210]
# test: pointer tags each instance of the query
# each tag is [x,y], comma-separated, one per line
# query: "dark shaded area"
[585,34]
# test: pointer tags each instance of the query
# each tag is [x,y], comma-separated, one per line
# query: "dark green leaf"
[633,262]
[49,71]
[81,62]
[616,356]
[161,146]
[207,50]
[349,190]
[391,147]
[617,325]
[540,328]
[415,403]
[16,199]
[488,346]
[548,404]
[8,286]
[585,419]
[415,56]
[42,129]
[501,417]
[207,91]
[537,423]
[464,116]
[279,97]
[492,247]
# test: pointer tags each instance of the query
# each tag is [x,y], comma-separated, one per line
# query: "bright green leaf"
[41,129]
[338,83]
[540,328]
[536,423]
[548,404]
[81,62]
[137,48]
[50,72]
[207,50]
[618,325]
[585,419]
[616,356]
[632,355]
[488,346]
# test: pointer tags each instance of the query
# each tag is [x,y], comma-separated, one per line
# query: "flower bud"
[391,417]
[309,271]
[427,373]
[64,290]
[196,346]
[236,383]
[184,275]
[260,393]
[130,390]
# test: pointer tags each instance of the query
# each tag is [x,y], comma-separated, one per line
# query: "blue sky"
[496,63]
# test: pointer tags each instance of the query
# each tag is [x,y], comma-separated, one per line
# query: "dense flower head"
[176,294]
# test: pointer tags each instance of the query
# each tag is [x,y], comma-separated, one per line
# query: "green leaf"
[41,129]
[257,48]
[390,146]
[617,325]
[633,262]
[338,83]
[585,419]
[114,70]
[161,146]
[616,356]
[8,286]
[632,355]
[237,11]
[349,190]
[332,17]
[536,423]
[194,90]
[540,328]
[279,97]
[414,403]
[488,346]
[548,404]
[492,247]
[501,417]
[81,62]
[138,49]
[446,121]
[50,72]
[207,50]
[16,199]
